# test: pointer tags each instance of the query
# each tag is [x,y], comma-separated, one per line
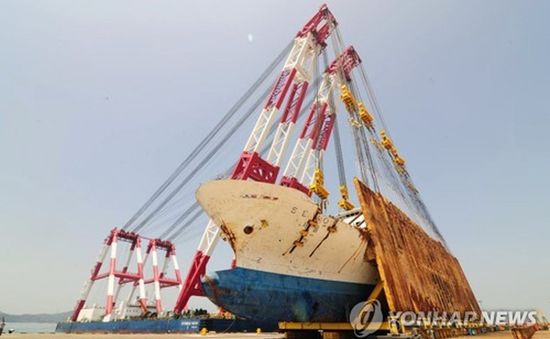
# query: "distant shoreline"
[35,318]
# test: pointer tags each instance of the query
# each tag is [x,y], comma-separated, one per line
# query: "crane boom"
[295,76]
[308,152]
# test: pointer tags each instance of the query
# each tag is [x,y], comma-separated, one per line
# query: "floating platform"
[192,325]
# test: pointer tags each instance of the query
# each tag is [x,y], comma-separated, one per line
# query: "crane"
[303,167]
[296,74]
[280,107]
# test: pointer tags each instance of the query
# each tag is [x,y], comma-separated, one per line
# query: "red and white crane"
[117,277]
[317,129]
[295,76]
[302,171]
[111,245]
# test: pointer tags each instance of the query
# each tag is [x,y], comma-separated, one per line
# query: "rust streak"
[419,274]
[354,255]
[330,229]
[230,236]
[311,222]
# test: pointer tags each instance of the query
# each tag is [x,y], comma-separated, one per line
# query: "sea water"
[29,327]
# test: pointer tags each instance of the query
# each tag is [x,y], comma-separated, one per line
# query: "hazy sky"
[100,100]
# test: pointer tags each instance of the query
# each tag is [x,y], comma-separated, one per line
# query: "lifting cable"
[208,157]
[364,139]
[370,95]
[319,121]
[204,161]
[182,217]
[390,168]
[316,150]
[372,98]
[353,121]
[404,177]
[395,179]
[238,124]
[199,148]
[339,155]
[194,217]
[378,112]
[193,208]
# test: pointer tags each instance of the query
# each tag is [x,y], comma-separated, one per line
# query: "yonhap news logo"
[366,318]
[453,319]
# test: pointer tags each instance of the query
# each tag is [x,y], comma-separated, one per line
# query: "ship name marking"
[294,210]
[258,196]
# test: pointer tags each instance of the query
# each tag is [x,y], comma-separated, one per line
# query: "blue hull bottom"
[275,297]
[164,326]
[131,326]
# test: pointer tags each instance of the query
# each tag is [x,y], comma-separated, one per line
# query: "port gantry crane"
[261,161]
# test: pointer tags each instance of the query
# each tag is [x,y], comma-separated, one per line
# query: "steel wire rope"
[364,140]
[204,161]
[421,209]
[339,154]
[378,111]
[210,135]
[207,158]
[359,156]
[181,228]
[229,170]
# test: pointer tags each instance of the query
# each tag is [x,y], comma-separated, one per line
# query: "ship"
[295,259]
[291,263]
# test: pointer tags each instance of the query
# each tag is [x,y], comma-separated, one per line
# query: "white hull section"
[266,227]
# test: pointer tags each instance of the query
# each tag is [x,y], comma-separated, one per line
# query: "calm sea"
[30,327]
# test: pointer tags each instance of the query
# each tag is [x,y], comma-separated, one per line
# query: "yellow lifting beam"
[348,99]
[387,143]
[345,203]
[396,158]
[318,184]
[326,326]
[399,161]
[365,115]
[377,290]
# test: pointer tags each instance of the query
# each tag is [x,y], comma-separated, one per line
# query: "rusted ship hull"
[419,274]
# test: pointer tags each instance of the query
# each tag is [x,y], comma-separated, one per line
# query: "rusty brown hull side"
[524,332]
[419,273]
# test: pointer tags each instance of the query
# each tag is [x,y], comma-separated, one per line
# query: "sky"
[100,101]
